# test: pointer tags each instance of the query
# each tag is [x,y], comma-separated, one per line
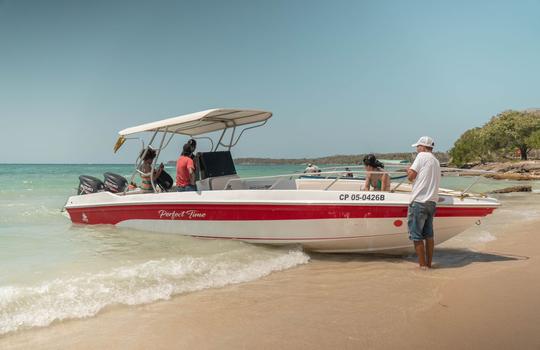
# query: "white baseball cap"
[425,141]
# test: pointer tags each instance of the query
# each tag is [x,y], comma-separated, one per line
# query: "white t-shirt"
[426,186]
[311,169]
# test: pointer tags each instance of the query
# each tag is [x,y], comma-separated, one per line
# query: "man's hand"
[411,174]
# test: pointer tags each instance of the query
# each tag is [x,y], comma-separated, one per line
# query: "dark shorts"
[186,188]
[420,220]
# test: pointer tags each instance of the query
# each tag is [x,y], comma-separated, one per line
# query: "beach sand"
[482,294]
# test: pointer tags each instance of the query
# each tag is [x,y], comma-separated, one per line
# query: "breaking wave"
[84,296]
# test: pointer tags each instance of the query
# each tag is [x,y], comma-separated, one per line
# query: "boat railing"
[362,167]
[335,176]
[349,173]
[402,168]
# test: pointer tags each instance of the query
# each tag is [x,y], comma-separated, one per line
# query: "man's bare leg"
[421,253]
[430,244]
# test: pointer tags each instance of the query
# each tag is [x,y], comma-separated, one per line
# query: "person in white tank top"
[425,173]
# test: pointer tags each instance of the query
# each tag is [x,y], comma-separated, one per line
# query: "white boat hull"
[326,221]
[330,235]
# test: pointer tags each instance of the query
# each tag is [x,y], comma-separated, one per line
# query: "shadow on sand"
[453,257]
[444,257]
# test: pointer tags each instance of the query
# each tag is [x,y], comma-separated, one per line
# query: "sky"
[341,77]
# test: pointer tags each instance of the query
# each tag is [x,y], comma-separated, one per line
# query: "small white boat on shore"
[328,213]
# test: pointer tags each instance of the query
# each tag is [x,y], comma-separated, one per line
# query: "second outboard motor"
[114,183]
[89,184]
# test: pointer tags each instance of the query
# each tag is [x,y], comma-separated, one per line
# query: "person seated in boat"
[376,177]
[348,172]
[147,175]
[311,169]
[185,170]
[193,144]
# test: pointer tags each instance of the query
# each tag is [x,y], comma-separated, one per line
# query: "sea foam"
[484,237]
[84,296]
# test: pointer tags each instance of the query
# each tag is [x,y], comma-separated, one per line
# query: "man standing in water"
[425,173]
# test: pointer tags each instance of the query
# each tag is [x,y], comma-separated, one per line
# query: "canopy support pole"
[153,166]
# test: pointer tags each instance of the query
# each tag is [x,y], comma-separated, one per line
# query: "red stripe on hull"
[252,212]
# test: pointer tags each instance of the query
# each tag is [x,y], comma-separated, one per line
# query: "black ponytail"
[372,161]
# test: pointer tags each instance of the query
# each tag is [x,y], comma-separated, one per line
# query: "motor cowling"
[114,183]
[89,184]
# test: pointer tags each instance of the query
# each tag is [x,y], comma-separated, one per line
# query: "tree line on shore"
[509,135]
[337,159]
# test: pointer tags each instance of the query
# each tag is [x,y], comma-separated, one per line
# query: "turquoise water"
[52,270]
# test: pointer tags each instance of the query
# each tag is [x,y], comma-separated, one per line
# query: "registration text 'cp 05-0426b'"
[361,197]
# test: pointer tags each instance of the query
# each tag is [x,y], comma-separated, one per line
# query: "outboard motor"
[89,184]
[114,183]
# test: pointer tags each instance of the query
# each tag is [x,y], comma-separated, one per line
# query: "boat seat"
[321,184]
[219,183]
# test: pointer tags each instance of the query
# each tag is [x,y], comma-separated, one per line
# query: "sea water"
[51,270]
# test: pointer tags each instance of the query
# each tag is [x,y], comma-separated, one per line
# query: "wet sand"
[482,293]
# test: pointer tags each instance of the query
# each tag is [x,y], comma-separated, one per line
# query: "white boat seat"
[321,184]
[219,183]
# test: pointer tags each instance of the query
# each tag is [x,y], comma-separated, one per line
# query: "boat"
[327,213]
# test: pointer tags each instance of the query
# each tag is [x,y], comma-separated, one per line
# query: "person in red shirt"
[185,170]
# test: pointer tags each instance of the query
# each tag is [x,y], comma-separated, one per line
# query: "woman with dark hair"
[185,169]
[148,155]
[193,144]
[376,177]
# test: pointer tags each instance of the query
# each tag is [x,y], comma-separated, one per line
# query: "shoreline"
[482,294]
[338,159]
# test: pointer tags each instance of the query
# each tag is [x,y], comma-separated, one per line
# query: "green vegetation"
[534,139]
[507,134]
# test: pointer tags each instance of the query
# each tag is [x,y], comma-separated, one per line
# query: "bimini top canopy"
[203,122]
